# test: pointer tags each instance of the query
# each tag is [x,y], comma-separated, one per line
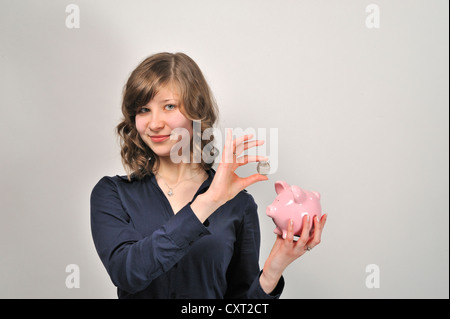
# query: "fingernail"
[292,222]
[317,218]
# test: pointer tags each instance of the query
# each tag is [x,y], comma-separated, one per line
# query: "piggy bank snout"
[270,210]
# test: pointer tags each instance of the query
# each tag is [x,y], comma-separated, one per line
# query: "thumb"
[252,179]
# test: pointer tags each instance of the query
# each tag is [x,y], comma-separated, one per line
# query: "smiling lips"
[159,138]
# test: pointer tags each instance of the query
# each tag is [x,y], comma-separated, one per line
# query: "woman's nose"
[156,122]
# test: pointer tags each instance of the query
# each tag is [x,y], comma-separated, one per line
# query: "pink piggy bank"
[292,202]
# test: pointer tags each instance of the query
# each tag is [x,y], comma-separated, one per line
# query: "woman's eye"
[143,110]
[169,107]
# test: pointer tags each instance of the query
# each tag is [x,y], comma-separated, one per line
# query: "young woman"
[179,229]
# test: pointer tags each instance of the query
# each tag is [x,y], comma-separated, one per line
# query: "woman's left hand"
[285,251]
[226,183]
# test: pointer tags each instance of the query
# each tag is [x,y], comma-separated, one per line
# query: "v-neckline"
[166,202]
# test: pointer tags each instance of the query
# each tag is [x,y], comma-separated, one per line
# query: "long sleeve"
[243,273]
[131,259]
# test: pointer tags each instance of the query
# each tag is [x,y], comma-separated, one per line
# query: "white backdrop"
[362,116]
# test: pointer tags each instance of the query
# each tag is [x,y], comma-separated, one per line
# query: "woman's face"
[156,120]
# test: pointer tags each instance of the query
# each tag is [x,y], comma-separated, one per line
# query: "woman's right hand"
[226,183]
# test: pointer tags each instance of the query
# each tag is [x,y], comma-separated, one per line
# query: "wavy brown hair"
[156,71]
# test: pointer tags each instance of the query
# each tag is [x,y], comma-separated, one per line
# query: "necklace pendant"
[170,192]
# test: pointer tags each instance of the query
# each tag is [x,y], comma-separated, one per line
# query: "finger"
[323,220]
[304,236]
[247,145]
[289,235]
[318,226]
[239,140]
[249,158]
[227,156]
[247,181]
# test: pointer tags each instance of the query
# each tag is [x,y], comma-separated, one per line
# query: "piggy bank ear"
[281,186]
[317,194]
[299,194]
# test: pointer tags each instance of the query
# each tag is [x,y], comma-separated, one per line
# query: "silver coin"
[263,168]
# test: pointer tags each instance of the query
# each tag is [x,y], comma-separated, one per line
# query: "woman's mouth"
[159,138]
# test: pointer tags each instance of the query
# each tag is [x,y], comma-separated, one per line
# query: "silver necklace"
[170,192]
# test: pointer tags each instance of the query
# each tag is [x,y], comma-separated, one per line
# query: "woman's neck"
[174,173]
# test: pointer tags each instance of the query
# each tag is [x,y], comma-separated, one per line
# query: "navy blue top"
[150,252]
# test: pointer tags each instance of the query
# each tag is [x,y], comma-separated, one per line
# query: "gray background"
[362,117]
